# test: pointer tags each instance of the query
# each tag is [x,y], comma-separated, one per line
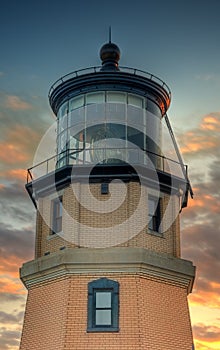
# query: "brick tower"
[107,272]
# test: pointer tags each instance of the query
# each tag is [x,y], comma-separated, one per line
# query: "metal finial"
[110,34]
[110,54]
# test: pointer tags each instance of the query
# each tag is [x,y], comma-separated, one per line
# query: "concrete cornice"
[126,260]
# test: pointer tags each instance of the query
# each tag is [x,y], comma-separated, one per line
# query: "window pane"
[135,100]
[151,207]
[97,97]
[77,116]
[150,223]
[76,102]
[103,317]
[135,116]
[103,299]
[63,109]
[115,111]
[59,224]
[57,214]
[153,108]
[116,97]
[135,136]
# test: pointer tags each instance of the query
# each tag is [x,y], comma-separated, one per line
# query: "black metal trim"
[107,81]
[66,175]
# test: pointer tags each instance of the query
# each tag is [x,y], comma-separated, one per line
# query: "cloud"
[211,122]
[201,244]
[11,285]
[201,220]
[17,174]
[10,154]
[214,172]
[16,243]
[206,333]
[202,140]
[9,339]
[18,145]
[10,265]
[15,103]
[6,297]
[7,318]
[15,203]
[21,130]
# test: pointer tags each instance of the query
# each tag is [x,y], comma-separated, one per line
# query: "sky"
[177,41]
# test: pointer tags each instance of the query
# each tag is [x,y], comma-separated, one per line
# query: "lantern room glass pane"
[77,116]
[95,97]
[115,112]
[153,108]
[76,102]
[95,112]
[64,109]
[116,97]
[63,122]
[135,116]
[136,137]
[135,100]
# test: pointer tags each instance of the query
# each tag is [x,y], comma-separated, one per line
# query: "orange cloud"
[17,147]
[10,154]
[11,266]
[14,174]
[211,122]
[207,333]
[15,103]
[204,200]
[194,142]
[203,139]
[210,299]
[11,285]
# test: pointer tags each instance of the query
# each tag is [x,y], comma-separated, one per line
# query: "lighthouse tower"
[107,272]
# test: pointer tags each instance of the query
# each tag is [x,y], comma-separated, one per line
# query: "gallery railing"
[107,156]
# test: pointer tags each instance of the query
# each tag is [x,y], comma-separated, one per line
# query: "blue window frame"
[103,306]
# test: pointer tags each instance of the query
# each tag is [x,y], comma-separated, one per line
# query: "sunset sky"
[179,41]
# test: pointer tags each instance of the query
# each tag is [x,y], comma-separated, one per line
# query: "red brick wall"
[153,316]
[45,315]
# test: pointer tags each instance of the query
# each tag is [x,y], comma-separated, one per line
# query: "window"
[135,100]
[154,205]
[104,188]
[116,96]
[57,212]
[77,102]
[95,97]
[103,305]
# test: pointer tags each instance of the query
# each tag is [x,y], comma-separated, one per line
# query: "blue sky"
[176,40]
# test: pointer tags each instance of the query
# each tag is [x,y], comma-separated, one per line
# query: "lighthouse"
[107,271]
